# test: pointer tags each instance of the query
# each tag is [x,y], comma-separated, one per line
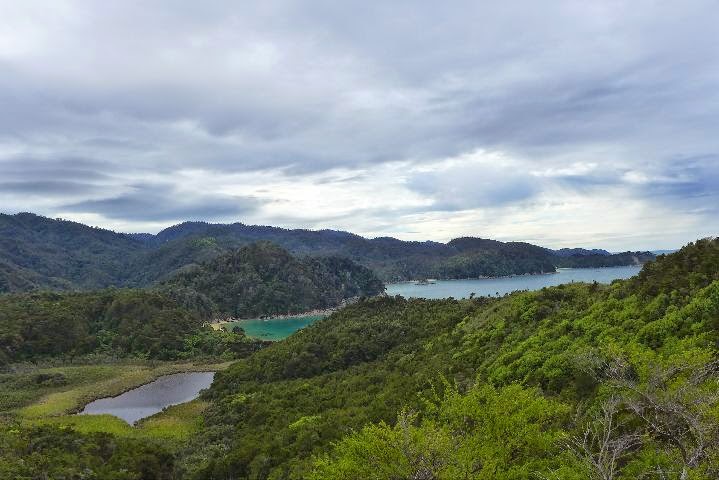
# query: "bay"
[274,328]
[503,285]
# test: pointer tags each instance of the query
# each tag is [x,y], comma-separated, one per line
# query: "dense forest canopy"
[575,381]
[108,324]
[42,253]
[264,279]
[167,322]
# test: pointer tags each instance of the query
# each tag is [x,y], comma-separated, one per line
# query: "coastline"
[217,324]
[516,274]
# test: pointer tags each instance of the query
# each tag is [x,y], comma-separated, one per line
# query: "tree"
[606,441]
[672,403]
[487,433]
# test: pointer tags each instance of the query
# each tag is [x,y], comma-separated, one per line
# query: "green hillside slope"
[517,387]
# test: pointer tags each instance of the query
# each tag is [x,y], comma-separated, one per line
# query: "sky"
[591,124]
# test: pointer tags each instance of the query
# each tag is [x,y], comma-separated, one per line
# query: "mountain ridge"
[37,252]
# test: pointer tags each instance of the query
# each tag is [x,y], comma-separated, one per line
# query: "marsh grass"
[177,422]
[32,402]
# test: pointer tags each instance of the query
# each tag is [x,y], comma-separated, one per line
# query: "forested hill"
[38,252]
[264,279]
[107,325]
[42,253]
[167,322]
[569,382]
[396,260]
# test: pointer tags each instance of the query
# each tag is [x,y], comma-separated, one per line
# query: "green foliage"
[37,252]
[260,279]
[598,261]
[263,279]
[219,344]
[275,411]
[681,273]
[575,381]
[59,453]
[354,367]
[487,433]
[113,323]
[40,253]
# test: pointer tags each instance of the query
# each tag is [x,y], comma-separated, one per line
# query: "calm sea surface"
[494,286]
[151,398]
[274,329]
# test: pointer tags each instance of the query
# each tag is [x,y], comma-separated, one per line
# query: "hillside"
[259,279]
[42,253]
[107,325]
[578,381]
[397,260]
[263,279]
[514,387]
[38,252]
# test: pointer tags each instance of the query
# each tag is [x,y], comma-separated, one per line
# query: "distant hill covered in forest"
[42,253]
[264,279]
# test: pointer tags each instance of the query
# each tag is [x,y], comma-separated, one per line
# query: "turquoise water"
[274,329]
[494,286]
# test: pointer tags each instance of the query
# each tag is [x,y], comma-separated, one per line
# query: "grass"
[32,402]
[87,424]
[175,423]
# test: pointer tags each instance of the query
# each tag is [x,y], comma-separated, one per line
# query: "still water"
[274,329]
[494,286]
[151,398]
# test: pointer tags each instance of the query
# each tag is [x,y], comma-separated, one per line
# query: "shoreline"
[217,368]
[514,275]
[478,278]
[217,324]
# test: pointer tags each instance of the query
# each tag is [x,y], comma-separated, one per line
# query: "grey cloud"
[157,202]
[592,182]
[45,187]
[56,169]
[469,187]
[690,183]
[306,88]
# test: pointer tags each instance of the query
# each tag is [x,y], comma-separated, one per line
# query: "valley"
[365,240]
[529,359]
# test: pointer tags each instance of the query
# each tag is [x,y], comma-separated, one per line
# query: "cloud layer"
[560,123]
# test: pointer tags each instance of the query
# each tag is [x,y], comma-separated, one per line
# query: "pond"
[151,398]
[502,285]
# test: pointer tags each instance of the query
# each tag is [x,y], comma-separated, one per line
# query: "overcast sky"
[560,123]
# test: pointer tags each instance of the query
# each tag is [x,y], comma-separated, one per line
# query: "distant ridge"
[42,253]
